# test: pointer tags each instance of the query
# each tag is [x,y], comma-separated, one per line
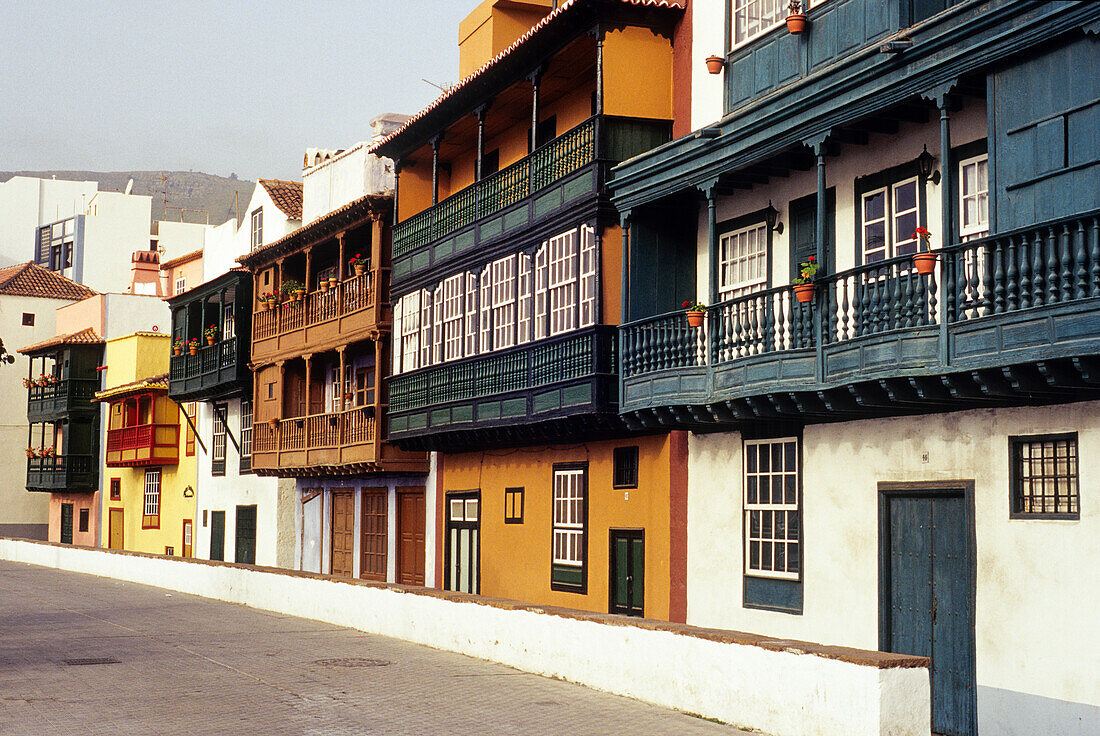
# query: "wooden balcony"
[321,319]
[143,444]
[1007,319]
[71,473]
[212,370]
[344,442]
[57,400]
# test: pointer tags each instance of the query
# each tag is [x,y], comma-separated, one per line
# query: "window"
[425,328]
[526,299]
[750,18]
[189,410]
[410,331]
[503,273]
[744,261]
[771,508]
[513,505]
[974,197]
[454,291]
[116,489]
[485,300]
[625,462]
[890,217]
[246,436]
[563,283]
[257,228]
[217,456]
[151,514]
[1044,477]
[28,319]
[437,327]
[567,570]
[181,284]
[588,276]
[540,292]
[83,524]
[471,314]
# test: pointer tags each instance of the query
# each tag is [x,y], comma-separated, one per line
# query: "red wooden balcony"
[143,444]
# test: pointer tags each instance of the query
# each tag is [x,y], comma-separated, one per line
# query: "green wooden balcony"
[211,370]
[1003,320]
[561,383]
[73,473]
[56,400]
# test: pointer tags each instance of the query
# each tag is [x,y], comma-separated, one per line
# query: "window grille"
[625,467]
[772,547]
[1045,476]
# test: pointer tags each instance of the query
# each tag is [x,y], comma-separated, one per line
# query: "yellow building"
[150,469]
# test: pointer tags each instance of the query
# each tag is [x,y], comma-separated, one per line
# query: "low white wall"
[775,687]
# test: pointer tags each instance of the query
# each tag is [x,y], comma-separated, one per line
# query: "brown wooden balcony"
[143,444]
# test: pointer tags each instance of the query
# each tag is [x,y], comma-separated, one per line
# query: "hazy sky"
[222,87]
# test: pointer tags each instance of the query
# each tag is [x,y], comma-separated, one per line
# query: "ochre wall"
[515,558]
[626,92]
[415,182]
[611,265]
[571,109]
[488,30]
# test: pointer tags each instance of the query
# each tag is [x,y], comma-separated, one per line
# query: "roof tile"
[87,336]
[30,279]
[287,196]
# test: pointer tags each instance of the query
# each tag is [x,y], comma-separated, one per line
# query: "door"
[245,540]
[343,532]
[627,575]
[372,535]
[66,523]
[187,531]
[803,224]
[463,561]
[410,536]
[927,597]
[217,535]
[114,528]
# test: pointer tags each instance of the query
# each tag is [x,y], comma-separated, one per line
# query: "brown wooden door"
[343,531]
[114,528]
[410,535]
[372,535]
[187,531]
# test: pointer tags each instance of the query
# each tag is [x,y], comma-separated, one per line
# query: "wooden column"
[340,399]
[624,284]
[374,274]
[309,269]
[947,198]
[435,168]
[340,265]
[479,160]
[535,78]
[819,226]
[714,282]
[599,71]
[396,189]
[308,358]
[376,410]
[281,403]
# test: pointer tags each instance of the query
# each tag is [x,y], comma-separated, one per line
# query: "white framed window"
[562,285]
[504,302]
[257,227]
[410,331]
[471,314]
[335,394]
[589,282]
[750,18]
[152,492]
[246,428]
[181,284]
[526,299]
[974,197]
[772,525]
[890,218]
[744,261]
[217,453]
[425,328]
[229,323]
[486,302]
[570,521]
[398,336]
[454,295]
[437,325]
[541,274]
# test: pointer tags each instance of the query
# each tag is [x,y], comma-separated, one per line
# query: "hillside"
[199,195]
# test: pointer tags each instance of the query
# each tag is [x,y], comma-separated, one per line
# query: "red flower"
[685,305]
[812,259]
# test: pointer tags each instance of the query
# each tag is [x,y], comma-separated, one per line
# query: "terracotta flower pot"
[193,349]
[209,341]
[804,293]
[177,351]
[695,319]
[715,64]
[797,23]
[359,270]
[925,263]
[323,285]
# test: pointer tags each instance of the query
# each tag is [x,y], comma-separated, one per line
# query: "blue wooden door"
[927,600]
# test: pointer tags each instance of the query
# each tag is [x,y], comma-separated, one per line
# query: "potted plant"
[43,380]
[323,285]
[30,452]
[47,451]
[273,423]
[177,346]
[804,281]
[27,383]
[211,334]
[695,313]
[193,346]
[54,380]
[796,19]
[924,260]
[715,64]
[358,264]
[293,289]
[332,281]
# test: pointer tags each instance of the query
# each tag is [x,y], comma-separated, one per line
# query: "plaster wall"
[191,272]
[27,202]
[626,91]
[136,356]
[342,179]
[116,225]
[220,250]
[180,238]
[1045,681]
[778,688]
[708,38]
[89,501]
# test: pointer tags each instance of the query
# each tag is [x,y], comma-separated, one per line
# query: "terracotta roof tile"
[86,336]
[287,196]
[144,384]
[185,258]
[30,279]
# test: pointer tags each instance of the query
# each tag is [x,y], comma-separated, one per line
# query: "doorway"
[245,540]
[343,532]
[627,573]
[115,519]
[217,535]
[410,535]
[463,551]
[926,606]
[66,523]
[372,535]
[187,532]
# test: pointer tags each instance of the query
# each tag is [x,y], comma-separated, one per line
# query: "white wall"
[1037,640]
[221,249]
[115,226]
[343,178]
[708,38]
[180,238]
[781,688]
[26,203]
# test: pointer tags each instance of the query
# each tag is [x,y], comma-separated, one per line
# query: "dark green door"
[66,523]
[217,535]
[627,572]
[246,535]
[927,600]
[803,224]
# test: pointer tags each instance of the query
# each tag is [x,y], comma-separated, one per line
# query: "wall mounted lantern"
[771,218]
[926,164]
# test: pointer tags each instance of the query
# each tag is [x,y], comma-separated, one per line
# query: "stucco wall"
[1031,678]
[780,688]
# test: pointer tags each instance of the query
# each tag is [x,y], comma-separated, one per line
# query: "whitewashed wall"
[708,38]
[27,202]
[343,178]
[1037,640]
[780,688]
[115,226]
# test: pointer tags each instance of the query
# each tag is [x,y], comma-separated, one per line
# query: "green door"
[66,523]
[217,535]
[803,225]
[627,576]
[246,535]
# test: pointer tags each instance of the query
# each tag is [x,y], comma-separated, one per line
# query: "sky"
[231,87]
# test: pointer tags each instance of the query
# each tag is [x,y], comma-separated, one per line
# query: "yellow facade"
[628,93]
[492,27]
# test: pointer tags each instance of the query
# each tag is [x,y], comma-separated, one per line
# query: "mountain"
[201,197]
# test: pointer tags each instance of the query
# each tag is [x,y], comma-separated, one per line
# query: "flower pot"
[332,282]
[298,294]
[715,64]
[209,341]
[797,23]
[323,285]
[695,319]
[177,351]
[193,349]
[359,270]
[804,293]
[925,263]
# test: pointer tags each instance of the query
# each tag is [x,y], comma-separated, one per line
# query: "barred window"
[570,519]
[771,508]
[151,513]
[1044,476]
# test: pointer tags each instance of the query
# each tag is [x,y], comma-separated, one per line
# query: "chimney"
[145,273]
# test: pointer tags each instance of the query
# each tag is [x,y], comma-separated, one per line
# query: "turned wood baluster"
[845,316]
[1013,274]
[1080,259]
[1066,256]
[973,283]
[769,324]
[1025,271]
[950,291]
[1052,266]
[998,278]
[930,315]
[912,283]
[1094,257]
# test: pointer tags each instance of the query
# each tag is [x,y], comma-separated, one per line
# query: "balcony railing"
[974,284]
[354,294]
[208,360]
[143,444]
[299,436]
[61,397]
[62,472]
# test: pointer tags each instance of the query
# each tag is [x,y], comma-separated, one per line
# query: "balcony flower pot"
[30,452]
[273,423]
[193,349]
[264,306]
[796,19]
[715,64]
[323,285]
[695,319]
[332,282]
[695,313]
[925,263]
[359,269]
[804,293]
[177,350]
[298,294]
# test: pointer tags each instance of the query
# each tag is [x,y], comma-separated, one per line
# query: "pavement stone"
[192,666]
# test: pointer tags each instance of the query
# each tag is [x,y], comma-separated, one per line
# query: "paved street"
[86,655]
